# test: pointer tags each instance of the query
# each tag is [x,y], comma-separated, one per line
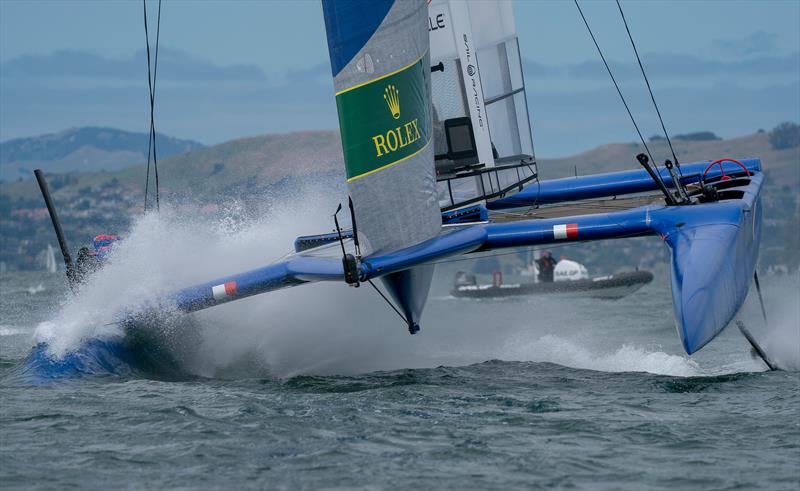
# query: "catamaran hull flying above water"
[439,163]
[472,154]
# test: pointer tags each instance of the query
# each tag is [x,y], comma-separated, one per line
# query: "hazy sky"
[261,66]
[281,35]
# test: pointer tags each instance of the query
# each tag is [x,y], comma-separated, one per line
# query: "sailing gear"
[102,244]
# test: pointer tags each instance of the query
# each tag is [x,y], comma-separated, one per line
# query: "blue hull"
[714,249]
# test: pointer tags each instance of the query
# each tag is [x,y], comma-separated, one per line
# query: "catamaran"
[439,163]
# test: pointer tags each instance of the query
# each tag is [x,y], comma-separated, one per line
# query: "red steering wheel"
[722,168]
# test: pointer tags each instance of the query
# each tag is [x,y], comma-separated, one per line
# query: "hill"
[87,149]
[273,165]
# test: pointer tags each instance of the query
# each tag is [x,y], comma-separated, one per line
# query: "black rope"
[388,301]
[615,84]
[153,102]
[150,90]
[151,83]
[649,89]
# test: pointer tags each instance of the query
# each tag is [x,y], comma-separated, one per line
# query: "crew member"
[546,265]
[85,265]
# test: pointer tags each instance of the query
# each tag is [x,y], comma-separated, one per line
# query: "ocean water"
[321,387]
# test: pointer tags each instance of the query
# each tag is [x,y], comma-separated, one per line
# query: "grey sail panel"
[381,66]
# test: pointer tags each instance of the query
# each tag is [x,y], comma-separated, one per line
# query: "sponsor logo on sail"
[400,136]
[472,74]
[392,98]
[384,121]
[436,22]
[396,138]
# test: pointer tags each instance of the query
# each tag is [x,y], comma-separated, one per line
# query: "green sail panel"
[384,121]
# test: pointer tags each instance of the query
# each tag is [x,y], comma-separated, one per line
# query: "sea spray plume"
[627,358]
[162,253]
[782,335]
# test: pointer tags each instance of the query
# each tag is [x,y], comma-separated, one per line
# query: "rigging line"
[151,83]
[615,84]
[387,301]
[649,89]
[153,101]
[150,90]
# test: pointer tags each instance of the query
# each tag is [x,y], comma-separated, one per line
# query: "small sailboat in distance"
[47,259]
[439,163]
[51,266]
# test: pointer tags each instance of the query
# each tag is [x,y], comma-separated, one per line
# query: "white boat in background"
[51,265]
[569,278]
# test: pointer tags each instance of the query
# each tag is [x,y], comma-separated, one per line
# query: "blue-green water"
[546,393]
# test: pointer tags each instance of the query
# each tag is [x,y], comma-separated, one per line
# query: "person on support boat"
[546,265]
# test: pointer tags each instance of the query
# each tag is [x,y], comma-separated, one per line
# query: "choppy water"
[320,387]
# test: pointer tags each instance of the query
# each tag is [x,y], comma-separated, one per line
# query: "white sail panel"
[479,102]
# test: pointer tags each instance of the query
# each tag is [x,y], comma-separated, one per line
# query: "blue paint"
[349,25]
[470,214]
[294,271]
[608,184]
[714,251]
[93,358]
[714,256]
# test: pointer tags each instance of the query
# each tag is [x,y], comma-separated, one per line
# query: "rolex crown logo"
[392,97]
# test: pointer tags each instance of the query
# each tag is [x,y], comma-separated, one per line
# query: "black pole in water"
[750,339]
[62,242]
[756,347]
